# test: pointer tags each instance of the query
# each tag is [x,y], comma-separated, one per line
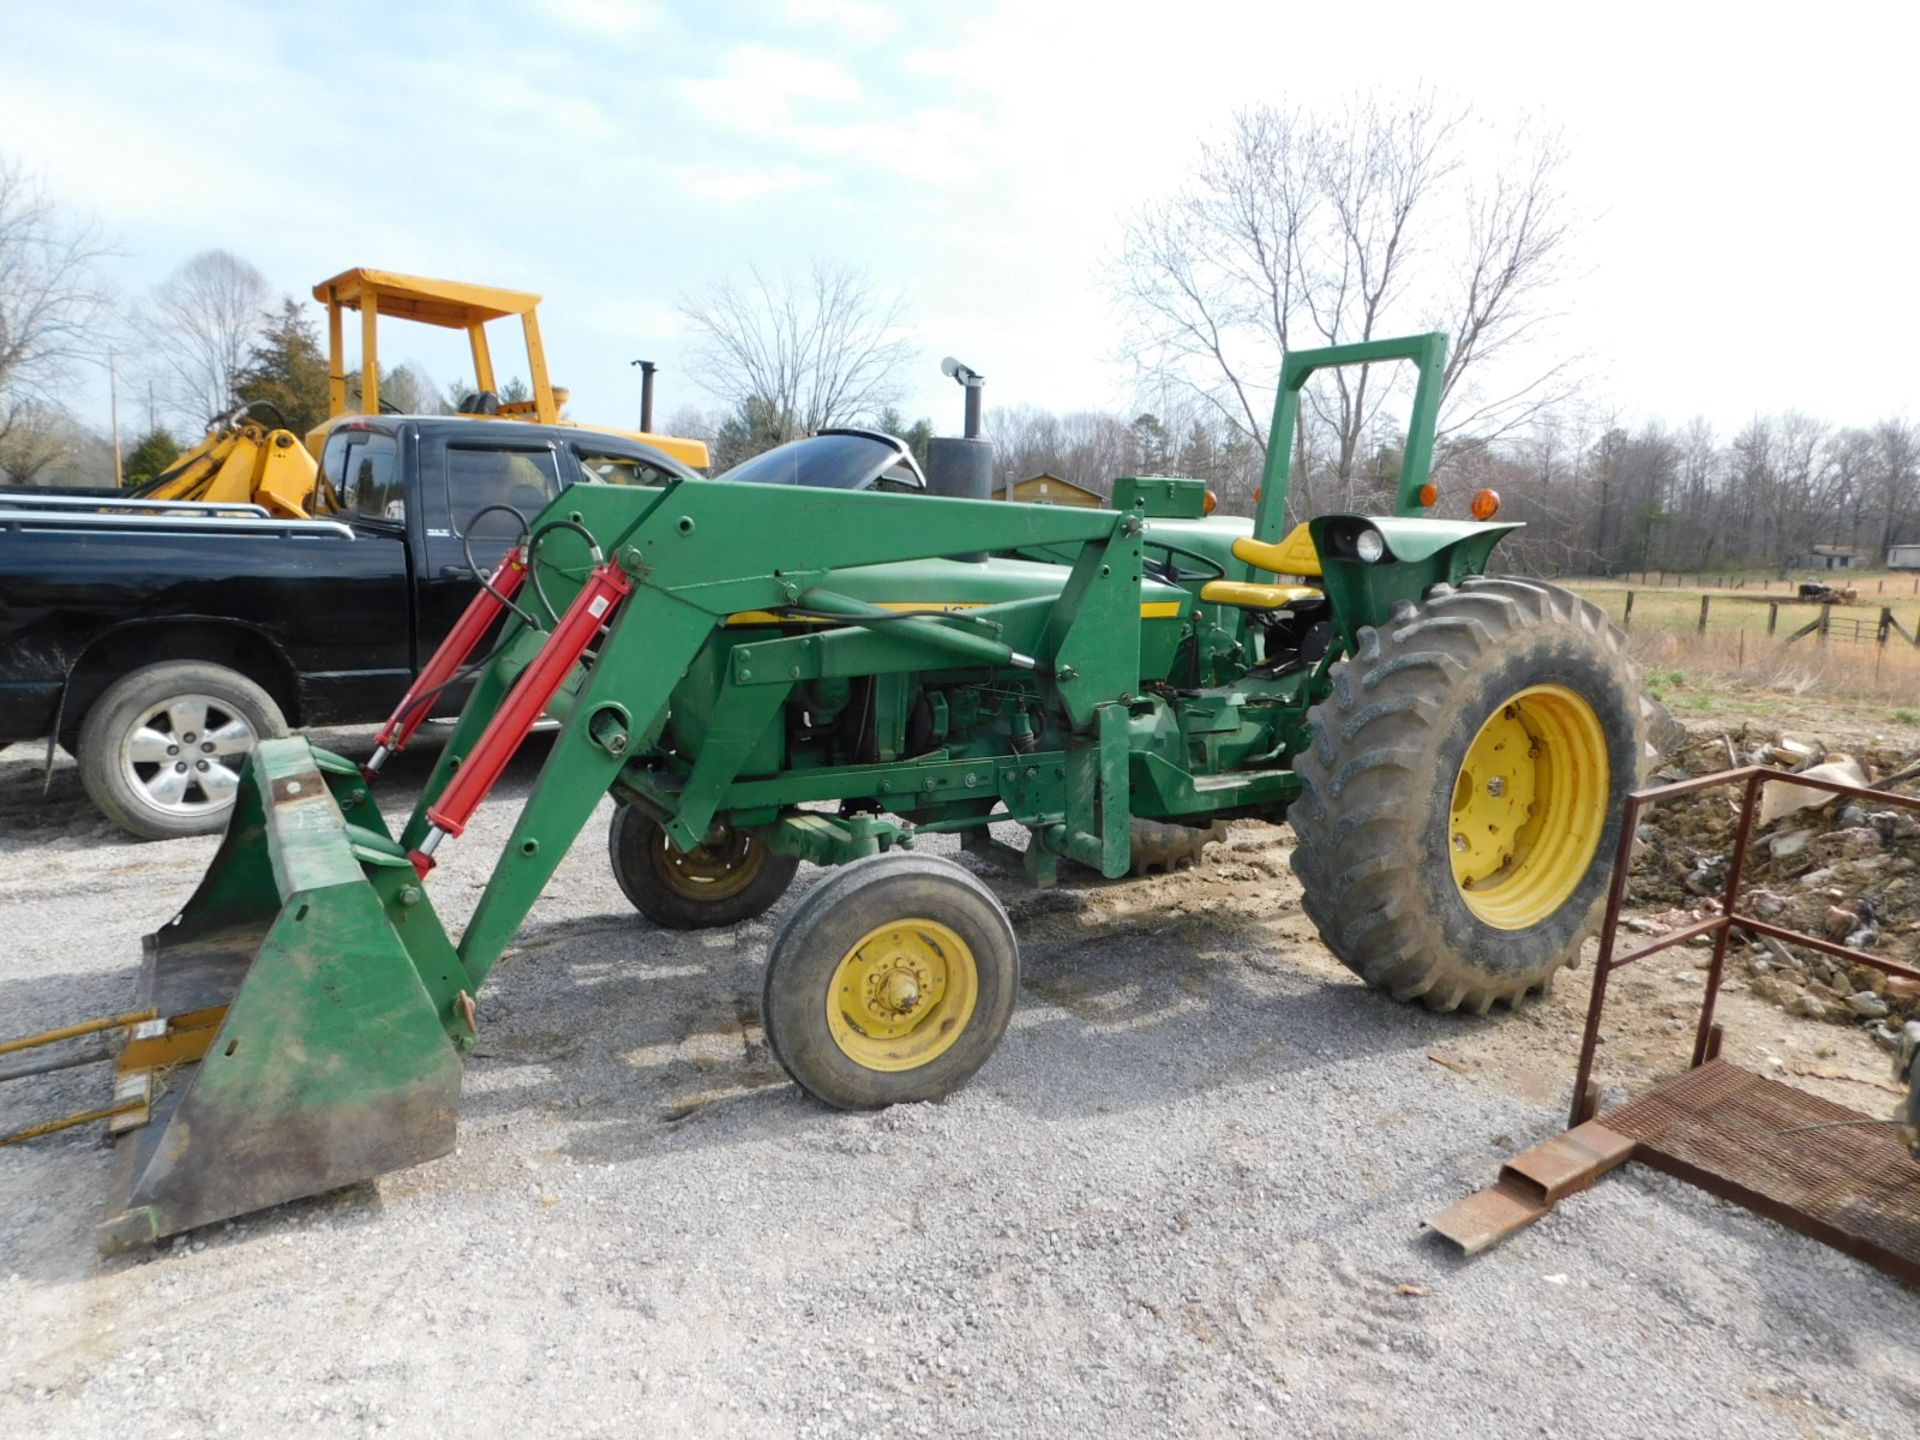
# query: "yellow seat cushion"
[1294,555]
[1256,597]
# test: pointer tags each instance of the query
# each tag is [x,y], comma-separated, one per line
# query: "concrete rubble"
[1825,865]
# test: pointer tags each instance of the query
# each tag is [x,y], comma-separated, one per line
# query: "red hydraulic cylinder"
[414,706]
[591,610]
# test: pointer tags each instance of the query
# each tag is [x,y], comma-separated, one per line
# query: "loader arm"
[242,464]
[683,560]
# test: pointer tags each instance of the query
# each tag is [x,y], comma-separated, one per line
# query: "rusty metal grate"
[1850,1185]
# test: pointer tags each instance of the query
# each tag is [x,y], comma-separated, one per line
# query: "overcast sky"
[1751,168]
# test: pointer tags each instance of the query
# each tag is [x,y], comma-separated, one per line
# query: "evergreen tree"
[750,429]
[891,422]
[287,369]
[1151,435]
[151,457]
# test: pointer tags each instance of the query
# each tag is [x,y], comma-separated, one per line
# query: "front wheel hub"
[902,994]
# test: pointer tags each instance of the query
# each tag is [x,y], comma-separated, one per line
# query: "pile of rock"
[1824,865]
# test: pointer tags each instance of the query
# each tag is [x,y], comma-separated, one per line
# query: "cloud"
[857,22]
[603,17]
[763,88]
[728,185]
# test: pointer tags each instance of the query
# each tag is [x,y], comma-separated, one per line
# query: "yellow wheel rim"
[1529,807]
[716,871]
[902,996]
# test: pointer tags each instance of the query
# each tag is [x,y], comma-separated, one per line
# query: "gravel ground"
[1184,1198]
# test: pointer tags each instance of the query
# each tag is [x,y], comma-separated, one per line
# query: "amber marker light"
[1485,504]
[1429,495]
[1213,502]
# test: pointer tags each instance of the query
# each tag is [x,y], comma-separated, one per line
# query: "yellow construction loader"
[452,305]
[242,461]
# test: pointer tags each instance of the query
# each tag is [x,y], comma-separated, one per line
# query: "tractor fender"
[1418,553]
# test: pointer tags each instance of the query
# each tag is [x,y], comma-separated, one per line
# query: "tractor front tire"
[891,982]
[732,878]
[1461,801]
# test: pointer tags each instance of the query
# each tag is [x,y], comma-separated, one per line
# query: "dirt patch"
[1241,903]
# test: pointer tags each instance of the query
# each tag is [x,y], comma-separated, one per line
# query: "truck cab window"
[370,484]
[477,478]
[610,469]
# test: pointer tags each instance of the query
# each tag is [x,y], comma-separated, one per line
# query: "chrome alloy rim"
[184,755]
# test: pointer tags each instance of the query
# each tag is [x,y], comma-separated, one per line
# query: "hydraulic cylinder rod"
[592,609]
[481,612]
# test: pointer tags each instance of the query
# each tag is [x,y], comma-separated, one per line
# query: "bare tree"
[1896,481]
[1302,227]
[800,353]
[51,299]
[199,327]
[45,445]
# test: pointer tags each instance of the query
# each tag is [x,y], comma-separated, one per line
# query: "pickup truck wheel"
[161,750]
[732,878]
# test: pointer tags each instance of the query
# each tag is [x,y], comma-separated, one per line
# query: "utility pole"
[113,401]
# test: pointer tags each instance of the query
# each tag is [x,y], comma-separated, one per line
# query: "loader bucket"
[298,1045]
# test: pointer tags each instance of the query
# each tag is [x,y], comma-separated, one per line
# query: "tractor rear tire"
[731,879]
[1461,801]
[893,981]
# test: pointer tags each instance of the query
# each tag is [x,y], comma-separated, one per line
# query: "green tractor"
[821,670]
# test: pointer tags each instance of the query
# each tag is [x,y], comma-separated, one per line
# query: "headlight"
[1369,545]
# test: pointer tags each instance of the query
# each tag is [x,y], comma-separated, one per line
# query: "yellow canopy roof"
[432,302]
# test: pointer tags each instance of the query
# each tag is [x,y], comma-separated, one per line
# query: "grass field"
[1735,667]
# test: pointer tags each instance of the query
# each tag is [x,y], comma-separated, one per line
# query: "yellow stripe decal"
[1152,610]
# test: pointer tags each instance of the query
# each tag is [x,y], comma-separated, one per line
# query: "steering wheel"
[1172,573]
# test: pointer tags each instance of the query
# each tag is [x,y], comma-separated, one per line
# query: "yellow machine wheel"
[892,981]
[731,878]
[1529,806]
[902,994]
[1461,801]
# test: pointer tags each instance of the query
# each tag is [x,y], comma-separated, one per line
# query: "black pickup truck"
[157,645]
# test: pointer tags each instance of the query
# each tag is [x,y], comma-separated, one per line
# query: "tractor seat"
[1294,555]
[1249,596]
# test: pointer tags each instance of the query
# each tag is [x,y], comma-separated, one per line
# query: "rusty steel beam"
[1531,1184]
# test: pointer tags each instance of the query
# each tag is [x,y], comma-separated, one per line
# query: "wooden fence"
[1700,580]
[1849,629]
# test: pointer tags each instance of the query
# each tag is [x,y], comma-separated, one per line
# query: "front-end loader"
[249,456]
[765,674]
[456,305]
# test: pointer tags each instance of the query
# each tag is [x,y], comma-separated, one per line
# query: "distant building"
[1831,557]
[1046,489]
[1903,557]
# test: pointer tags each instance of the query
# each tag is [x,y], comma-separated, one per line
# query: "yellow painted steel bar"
[370,353]
[82,1117]
[71,1032]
